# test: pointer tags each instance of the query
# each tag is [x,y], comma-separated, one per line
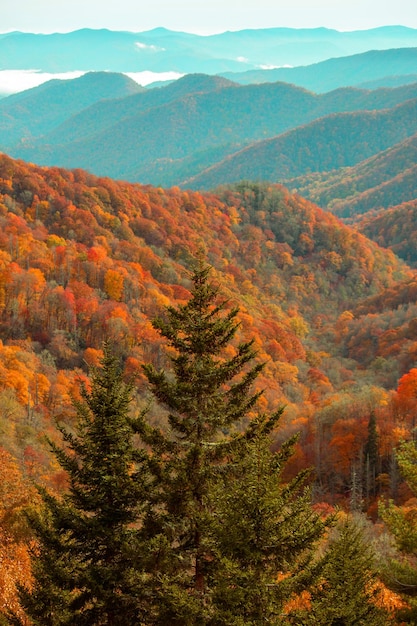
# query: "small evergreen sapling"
[348,593]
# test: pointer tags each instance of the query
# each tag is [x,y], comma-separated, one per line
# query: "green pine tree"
[347,594]
[267,530]
[87,570]
[208,397]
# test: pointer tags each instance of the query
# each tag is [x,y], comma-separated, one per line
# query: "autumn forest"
[102,284]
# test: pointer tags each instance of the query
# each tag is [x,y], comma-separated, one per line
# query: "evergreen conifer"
[86,567]
[207,465]
[195,529]
[347,594]
[267,529]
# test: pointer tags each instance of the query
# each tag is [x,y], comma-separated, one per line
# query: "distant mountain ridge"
[349,149]
[104,113]
[169,135]
[389,81]
[332,73]
[163,50]
[334,141]
[300,106]
[35,111]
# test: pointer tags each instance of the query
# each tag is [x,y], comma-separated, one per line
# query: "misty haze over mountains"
[161,50]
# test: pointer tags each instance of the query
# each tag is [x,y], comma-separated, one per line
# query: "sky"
[203,16]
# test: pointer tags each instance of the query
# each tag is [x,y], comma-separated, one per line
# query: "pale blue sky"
[203,16]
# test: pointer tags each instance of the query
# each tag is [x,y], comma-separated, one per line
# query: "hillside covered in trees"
[394,228]
[330,317]
[328,143]
[380,182]
[88,259]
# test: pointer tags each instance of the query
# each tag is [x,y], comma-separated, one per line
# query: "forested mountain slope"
[105,114]
[331,142]
[385,180]
[383,327]
[394,228]
[167,142]
[292,104]
[36,111]
[58,111]
[86,259]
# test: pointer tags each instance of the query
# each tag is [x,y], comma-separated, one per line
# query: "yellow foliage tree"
[113,284]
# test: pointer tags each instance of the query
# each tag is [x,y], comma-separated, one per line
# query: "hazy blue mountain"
[339,72]
[231,116]
[335,141]
[36,111]
[385,180]
[162,50]
[173,142]
[389,81]
[104,114]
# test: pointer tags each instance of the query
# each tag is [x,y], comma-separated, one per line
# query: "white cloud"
[147,77]
[145,46]
[273,67]
[12,81]
[242,60]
